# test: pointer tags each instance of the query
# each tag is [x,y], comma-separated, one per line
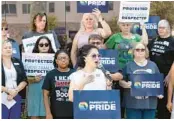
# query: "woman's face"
[93,58]
[125,27]
[62,60]
[162,31]
[43,46]
[40,22]
[140,51]
[88,21]
[6,49]
[4,31]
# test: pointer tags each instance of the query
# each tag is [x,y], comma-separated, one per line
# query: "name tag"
[16,64]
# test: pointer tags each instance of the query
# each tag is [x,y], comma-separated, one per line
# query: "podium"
[98,104]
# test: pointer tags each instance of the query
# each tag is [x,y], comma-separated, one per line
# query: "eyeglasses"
[138,50]
[4,29]
[95,43]
[94,56]
[62,58]
[42,44]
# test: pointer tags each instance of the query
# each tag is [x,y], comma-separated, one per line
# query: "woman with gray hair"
[161,52]
[89,25]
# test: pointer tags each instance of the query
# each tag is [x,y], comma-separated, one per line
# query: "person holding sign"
[89,25]
[35,103]
[139,107]
[55,86]
[161,52]
[89,77]
[14,80]
[40,27]
[123,42]
[170,105]
[97,40]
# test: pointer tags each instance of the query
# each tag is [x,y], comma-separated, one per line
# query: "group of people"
[51,96]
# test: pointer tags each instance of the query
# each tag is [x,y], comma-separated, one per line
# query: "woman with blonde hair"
[89,25]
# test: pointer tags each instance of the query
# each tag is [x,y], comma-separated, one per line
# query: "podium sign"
[97,104]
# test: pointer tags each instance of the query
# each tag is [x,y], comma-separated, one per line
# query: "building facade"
[18,15]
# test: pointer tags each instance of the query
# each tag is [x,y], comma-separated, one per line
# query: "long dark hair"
[36,49]
[59,52]
[41,15]
[83,52]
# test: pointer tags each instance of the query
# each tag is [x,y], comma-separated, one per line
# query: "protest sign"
[96,104]
[146,84]
[37,63]
[134,11]
[109,60]
[29,43]
[88,6]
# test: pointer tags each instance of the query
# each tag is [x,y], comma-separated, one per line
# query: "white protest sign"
[134,11]
[37,63]
[29,43]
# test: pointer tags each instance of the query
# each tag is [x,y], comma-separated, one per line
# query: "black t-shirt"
[162,53]
[57,83]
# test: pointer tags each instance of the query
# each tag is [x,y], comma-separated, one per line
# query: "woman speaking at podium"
[89,77]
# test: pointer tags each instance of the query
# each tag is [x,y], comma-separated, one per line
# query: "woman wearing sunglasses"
[5,36]
[88,77]
[139,107]
[35,103]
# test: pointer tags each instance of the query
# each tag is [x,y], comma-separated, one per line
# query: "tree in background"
[113,25]
[163,9]
[52,22]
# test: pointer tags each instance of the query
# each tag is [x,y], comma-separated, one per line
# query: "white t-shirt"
[99,82]
[10,77]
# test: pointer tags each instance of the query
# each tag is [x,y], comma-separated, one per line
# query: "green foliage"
[113,25]
[52,22]
[163,9]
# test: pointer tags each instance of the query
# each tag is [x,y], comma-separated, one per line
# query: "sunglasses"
[139,50]
[94,56]
[46,45]
[95,43]
[5,29]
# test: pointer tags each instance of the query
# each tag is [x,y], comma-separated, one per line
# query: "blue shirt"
[131,101]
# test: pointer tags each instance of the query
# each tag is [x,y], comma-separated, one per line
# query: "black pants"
[162,112]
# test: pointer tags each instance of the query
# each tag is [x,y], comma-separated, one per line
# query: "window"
[111,5]
[9,9]
[67,4]
[26,8]
[51,7]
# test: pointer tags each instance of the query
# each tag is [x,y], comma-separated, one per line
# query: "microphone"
[101,67]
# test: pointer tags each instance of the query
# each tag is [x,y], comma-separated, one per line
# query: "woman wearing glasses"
[56,86]
[35,103]
[5,36]
[89,77]
[139,107]
[13,82]
[40,27]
